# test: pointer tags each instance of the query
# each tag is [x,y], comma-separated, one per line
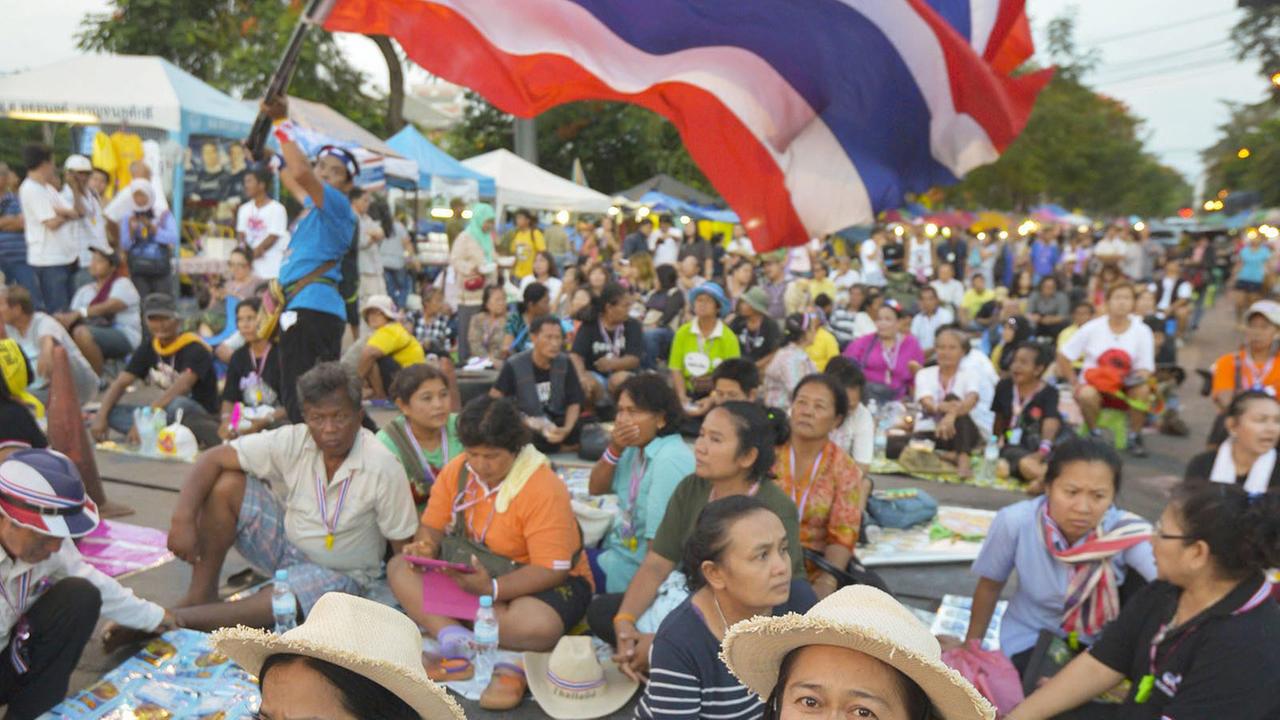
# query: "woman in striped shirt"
[739,567]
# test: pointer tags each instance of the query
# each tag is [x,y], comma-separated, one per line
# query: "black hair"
[795,326]
[21,297]
[823,301]
[758,428]
[1241,529]
[1083,303]
[929,289]
[355,193]
[33,156]
[961,335]
[360,696]
[99,171]
[652,392]
[1083,450]
[918,705]
[536,325]
[553,268]
[611,293]
[490,290]
[847,372]
[533,222]
[243,252]
[494,422]
[409,379]
[261,173]
[1042,354]
[1047,278]
[739,370]
[108,254]
[1022,330]
[710,536]
[667,277]
[1241,402]
[252,303]
[534,293]
[834,386]
[647,221]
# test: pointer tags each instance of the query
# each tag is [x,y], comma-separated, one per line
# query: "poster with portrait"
[213,176]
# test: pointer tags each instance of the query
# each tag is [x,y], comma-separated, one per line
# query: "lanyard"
[261,365]
[618,342]
[422,455]
[1019,402]
[795,481]
[1257,376]
[19,654]
[464,506]
[24,589]
[890,358]
[945,390]
[627,531]
[331,523]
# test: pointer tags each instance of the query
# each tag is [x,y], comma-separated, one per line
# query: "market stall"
[439,173]
[520,183]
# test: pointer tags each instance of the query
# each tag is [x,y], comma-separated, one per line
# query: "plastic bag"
[177,440]
[991,673]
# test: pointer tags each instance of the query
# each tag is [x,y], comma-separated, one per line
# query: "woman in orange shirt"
[1253,366]
[525,548]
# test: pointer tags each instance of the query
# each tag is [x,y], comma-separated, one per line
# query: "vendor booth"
[439,174]
[520,183]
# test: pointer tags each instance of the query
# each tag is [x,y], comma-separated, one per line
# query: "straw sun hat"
[365,637]
[860,618]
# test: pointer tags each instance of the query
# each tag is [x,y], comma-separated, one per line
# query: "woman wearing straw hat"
[858,653]
[352,658]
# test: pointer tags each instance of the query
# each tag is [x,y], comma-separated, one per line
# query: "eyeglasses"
[1158,531]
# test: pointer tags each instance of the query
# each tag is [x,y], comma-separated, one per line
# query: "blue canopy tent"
[663,202]
[438,172]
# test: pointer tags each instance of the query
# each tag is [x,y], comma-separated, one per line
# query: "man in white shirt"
[51,243]
[845,276]
[931,317]
[872,263]
[950,290]
[344,498]
[1111,249]
[741,244]
[52,597]
[1174,295]
[37,333]
[83,188]
[105,318]
[262,224]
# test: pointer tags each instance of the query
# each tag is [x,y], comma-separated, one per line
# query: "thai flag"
[807,115]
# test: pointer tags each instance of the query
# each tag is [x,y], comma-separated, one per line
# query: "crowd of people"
[734,403]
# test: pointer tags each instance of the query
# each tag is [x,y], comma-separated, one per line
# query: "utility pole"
[526,137]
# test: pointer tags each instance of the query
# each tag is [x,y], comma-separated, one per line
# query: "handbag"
[275,297]
[855,574]
[149,259]
[592,441]
[901,508]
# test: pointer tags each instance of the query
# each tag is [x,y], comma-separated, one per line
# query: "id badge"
[1015,436]
[698,364]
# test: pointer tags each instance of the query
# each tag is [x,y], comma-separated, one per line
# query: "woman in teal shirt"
[644,463]
[424,437]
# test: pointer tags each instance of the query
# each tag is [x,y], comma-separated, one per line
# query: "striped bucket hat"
[42,490]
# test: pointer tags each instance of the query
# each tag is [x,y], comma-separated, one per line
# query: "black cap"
[159,305]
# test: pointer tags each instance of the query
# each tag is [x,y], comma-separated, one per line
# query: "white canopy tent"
[523,184]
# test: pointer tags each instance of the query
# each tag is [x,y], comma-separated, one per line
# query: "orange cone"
[68,435]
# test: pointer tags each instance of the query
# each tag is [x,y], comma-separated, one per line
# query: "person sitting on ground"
[886,357]
[242,283]
[608,346]
[947,398]
[500,508]
[544,387]
[663,310]
[856,654]
[1196,643]
[1048,309]
[486,335]
[547,274]
[847,319]
[975,299]
[820,477]
[739,569]
[389,349]
[758,334]
[37,333]
[18,408]
[425,435]
[700,345]
[53,597]
[1247,457]
[950,290]
[1080,314]
[734,455]
[1255,365]
[1119,330]
[1073,536]
[536,303]
[253,380]
[180,365]
[790,362]
[353,657]
[345,498]
[932,315]
[824,346]
[735,379]
[1027,421]
[856,435]
[104,319]
[1014,331]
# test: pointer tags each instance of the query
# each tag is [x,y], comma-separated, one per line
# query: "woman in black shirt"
[1248,456]
[253,379]
[663,312]
[1027,420]
[1203,640]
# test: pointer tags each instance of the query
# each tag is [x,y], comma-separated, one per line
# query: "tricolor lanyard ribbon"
[795,481]
[890,359]
[422,455]
[945,389]
[617,342]
[464,506]
[1020,403]
[627,531]
[322,499]
[1258,377]
[18,655]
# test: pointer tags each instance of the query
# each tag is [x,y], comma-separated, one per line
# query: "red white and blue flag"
[808,116]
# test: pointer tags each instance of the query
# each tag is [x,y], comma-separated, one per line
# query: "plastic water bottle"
[880,440]
[486,639]
[283,603]
[990,458]
[142,420]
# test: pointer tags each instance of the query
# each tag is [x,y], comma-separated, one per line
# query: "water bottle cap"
[486,601]
[282,575]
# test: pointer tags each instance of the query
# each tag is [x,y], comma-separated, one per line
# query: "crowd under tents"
[438,172]
[520,183]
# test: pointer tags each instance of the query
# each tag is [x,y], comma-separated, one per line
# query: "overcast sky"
[1169,60]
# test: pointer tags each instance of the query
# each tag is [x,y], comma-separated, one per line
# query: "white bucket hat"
[860,618]
[383,304]
[365,637]
[570,683]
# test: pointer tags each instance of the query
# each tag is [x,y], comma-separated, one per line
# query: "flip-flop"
[119,637]
[452,668]
[506,688]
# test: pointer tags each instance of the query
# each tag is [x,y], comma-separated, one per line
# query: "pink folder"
[442,596]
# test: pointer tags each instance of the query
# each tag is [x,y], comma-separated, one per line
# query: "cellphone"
[434,564]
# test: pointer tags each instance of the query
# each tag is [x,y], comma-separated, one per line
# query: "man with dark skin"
[548,344]
[225,502]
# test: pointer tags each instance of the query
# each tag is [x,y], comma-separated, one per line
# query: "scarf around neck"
[1259,475]
[183,340]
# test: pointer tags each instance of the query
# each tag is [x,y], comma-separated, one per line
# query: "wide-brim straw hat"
[365,637]
[860,618]
[570,682]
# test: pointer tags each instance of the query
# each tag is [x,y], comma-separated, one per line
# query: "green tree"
[234,45]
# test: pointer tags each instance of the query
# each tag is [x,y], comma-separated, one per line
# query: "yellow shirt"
[973,301]
[526,244]
[822,349]
[128,148]
[396,343]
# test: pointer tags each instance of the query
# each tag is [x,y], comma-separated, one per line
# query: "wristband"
[495,589]
[1045,447]
[284,130]
[84,313]
[624,617]
[609,457]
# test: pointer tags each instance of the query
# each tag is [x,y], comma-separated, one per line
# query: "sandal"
[506,688]
[118,636]
[454,668]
